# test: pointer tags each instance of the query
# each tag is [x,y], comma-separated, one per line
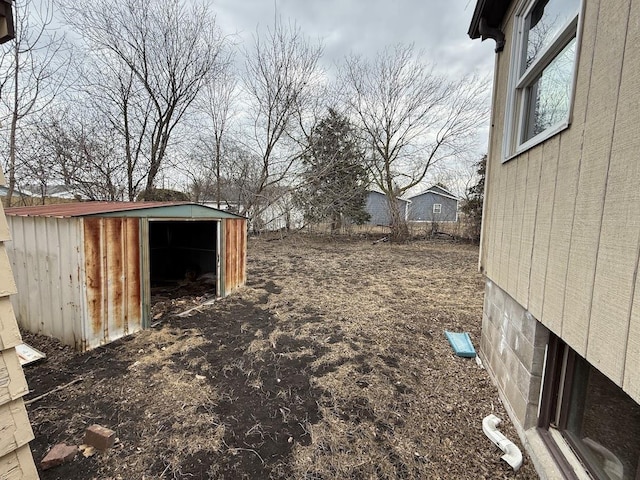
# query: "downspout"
[512,454]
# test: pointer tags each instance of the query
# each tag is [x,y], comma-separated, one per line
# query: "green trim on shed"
[175,212]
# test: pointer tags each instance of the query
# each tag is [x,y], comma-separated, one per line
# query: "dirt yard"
[330,364]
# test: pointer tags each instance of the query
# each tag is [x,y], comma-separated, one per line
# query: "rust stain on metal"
[133,273]
[115,273]
[94,273]
[235,254]
[112,266]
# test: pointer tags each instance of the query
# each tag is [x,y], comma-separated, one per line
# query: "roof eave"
[487,20]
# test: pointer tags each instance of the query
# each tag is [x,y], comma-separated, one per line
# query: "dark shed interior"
[182,251]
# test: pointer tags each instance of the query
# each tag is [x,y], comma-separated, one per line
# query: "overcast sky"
[366,26]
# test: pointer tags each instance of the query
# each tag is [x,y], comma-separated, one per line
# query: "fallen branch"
[57,389]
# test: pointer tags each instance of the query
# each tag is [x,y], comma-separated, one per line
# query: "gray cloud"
[367,26]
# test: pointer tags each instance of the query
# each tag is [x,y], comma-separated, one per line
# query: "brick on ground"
[99,437]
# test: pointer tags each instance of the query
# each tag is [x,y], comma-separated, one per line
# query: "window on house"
[437,207]
[543,67]
[599,421]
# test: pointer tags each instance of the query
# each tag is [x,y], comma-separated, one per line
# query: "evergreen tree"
[335,177]
[475,197]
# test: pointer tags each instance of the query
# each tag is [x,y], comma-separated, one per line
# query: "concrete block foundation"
[512,348]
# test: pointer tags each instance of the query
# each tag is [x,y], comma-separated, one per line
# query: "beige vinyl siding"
[618,243]
[495,181]
[562,222]
[625,147]
[18,465]
[530,212]
[592,185]
[9,333]
[541,228]
[516,222]
[16,462]
[12,433]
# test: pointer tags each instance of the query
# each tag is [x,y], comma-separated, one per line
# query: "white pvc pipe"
[512,454]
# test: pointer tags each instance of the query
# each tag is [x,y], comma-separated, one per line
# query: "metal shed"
[84,271]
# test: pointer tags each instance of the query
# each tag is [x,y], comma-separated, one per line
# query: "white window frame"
[518,83]
[437,210]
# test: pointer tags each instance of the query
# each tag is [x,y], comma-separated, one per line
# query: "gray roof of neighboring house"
[437,190]
[380,192]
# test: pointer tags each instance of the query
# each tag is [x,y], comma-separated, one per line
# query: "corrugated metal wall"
[82,279]
[235,254]
[113,279]
[46,256]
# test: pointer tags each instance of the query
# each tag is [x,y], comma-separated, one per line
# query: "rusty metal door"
[113,278]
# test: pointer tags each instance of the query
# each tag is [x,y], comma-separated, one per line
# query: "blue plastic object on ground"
[461,344]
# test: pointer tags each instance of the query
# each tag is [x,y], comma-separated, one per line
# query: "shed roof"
[127,209]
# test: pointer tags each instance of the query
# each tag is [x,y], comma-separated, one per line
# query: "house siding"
[16,462]
[562,232]
[421,208]
[378,208]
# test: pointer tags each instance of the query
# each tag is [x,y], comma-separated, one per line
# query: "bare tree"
[217,104]
[282,77]
[33,66]
[160,54]
[410,117]
[81,155]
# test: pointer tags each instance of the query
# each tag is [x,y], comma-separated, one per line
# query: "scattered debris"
[87,450]
[57,389]
[99,437]
[512,454]
[461,344]
[27,354]
[383,239]
[59,454]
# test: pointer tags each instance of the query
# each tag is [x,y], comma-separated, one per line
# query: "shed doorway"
[183,257]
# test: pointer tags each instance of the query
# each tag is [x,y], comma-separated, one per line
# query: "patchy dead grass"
[330,363]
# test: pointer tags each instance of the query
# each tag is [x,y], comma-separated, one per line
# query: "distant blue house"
[436,204]
[378,208]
